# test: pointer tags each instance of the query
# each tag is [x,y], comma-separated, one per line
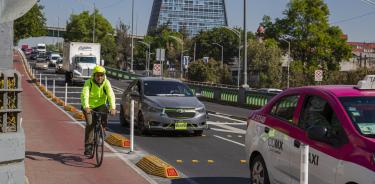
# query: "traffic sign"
[318,75]
[160,54]
[156,70]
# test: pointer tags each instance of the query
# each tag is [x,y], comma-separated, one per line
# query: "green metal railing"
[229,96]
[116,73]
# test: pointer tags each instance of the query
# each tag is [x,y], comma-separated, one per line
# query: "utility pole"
[132,56]
[245,85]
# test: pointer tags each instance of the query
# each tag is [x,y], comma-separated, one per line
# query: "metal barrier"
[119,74]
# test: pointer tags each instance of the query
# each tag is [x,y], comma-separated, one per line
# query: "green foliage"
[313,41]
[205,44]
[123,42]
[32,24]
[80,29]
[210,72]
[264,62]
[54,47]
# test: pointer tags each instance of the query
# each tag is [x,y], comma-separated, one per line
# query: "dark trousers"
[90,123]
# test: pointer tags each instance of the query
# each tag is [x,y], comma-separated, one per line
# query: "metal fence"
[218,93]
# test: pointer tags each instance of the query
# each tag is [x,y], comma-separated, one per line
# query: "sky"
[355,17]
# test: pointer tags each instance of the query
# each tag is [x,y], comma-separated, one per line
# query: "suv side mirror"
[318,133]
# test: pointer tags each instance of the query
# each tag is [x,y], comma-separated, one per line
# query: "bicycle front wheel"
[99,148]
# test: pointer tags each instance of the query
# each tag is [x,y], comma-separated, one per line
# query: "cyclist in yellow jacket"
[95,93]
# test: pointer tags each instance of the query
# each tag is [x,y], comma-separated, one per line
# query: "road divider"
[157,167]
[118,140]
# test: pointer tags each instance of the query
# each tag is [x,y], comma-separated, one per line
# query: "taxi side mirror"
[318,133]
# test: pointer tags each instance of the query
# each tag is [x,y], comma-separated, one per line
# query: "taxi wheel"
[258,171]
[123,121]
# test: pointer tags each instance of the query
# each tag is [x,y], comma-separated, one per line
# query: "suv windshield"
[361,112]
[86,60]
[166,88]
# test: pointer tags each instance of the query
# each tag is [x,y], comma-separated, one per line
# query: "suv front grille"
[179,113]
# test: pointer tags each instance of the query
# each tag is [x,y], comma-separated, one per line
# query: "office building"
[191,15]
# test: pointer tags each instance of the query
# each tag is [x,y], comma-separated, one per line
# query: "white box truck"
[79,60]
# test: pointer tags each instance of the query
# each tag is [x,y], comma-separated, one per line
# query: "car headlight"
[201,110]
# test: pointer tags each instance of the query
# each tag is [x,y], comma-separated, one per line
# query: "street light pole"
[288,65]
[180,41]
[239,53]
[222,54]
[148,55]
[132,54]
[245,85]
[93,30]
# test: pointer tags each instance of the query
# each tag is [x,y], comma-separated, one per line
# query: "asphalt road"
[214,157]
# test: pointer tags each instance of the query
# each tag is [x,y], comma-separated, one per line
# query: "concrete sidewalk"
[54,146]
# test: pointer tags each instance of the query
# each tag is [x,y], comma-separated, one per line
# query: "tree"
[209,72]
[205,47]
[80,29]
[313,41]
[31,24]
[264,62]
[123,42]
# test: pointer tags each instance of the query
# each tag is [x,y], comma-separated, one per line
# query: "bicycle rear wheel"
[99,146]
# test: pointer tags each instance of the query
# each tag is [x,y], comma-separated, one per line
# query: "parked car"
[338,124]
[59,66]
[163,104]
[41,64]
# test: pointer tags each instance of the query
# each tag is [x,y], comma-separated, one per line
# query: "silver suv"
[163,104]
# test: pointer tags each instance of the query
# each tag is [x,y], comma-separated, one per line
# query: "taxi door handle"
[266,129]
[297,144]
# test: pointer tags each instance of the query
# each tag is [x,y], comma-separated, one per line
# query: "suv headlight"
[201,110]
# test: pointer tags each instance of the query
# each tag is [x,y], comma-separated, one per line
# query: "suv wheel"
[123,121]
[141,125]
[258,171]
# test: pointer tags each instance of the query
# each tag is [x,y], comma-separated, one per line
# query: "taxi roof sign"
[367,83]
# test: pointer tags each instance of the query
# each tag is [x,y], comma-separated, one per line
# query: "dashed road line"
[225,139]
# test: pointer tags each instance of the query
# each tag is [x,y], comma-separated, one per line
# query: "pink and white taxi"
[338,124]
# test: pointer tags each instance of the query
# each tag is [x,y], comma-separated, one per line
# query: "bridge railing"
[218,93]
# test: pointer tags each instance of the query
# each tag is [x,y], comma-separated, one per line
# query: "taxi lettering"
[259,118]
[313,159]
[275,143]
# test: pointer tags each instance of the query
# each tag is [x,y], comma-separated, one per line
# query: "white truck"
[79,60]
[41,48]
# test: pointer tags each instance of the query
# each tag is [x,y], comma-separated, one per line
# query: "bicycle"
[99,135]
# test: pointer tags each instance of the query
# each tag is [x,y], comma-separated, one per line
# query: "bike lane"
[54,146]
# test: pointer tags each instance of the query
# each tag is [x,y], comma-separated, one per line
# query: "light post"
[222,54]
[148,56]
[245,85]
[239,52]
[132,54]
[180,41]
[287,85]
[93,30]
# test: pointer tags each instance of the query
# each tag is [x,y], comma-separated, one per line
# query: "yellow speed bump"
[243,161]
[155,166]
[79,116]
[118,140]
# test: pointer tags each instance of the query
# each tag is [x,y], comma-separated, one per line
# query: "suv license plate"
[180,126]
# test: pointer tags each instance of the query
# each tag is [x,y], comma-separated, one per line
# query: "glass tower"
[191,15]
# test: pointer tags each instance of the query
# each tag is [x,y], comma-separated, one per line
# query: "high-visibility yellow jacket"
[93,95]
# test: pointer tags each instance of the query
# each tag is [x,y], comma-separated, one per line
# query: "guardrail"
[218,93]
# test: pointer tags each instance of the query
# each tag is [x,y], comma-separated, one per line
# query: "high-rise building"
[191,15]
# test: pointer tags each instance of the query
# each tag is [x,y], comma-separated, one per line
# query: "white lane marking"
[239,136]
[118,88]
[228,128]
[223,123]
[225,139]
[225,117]
[229,136]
